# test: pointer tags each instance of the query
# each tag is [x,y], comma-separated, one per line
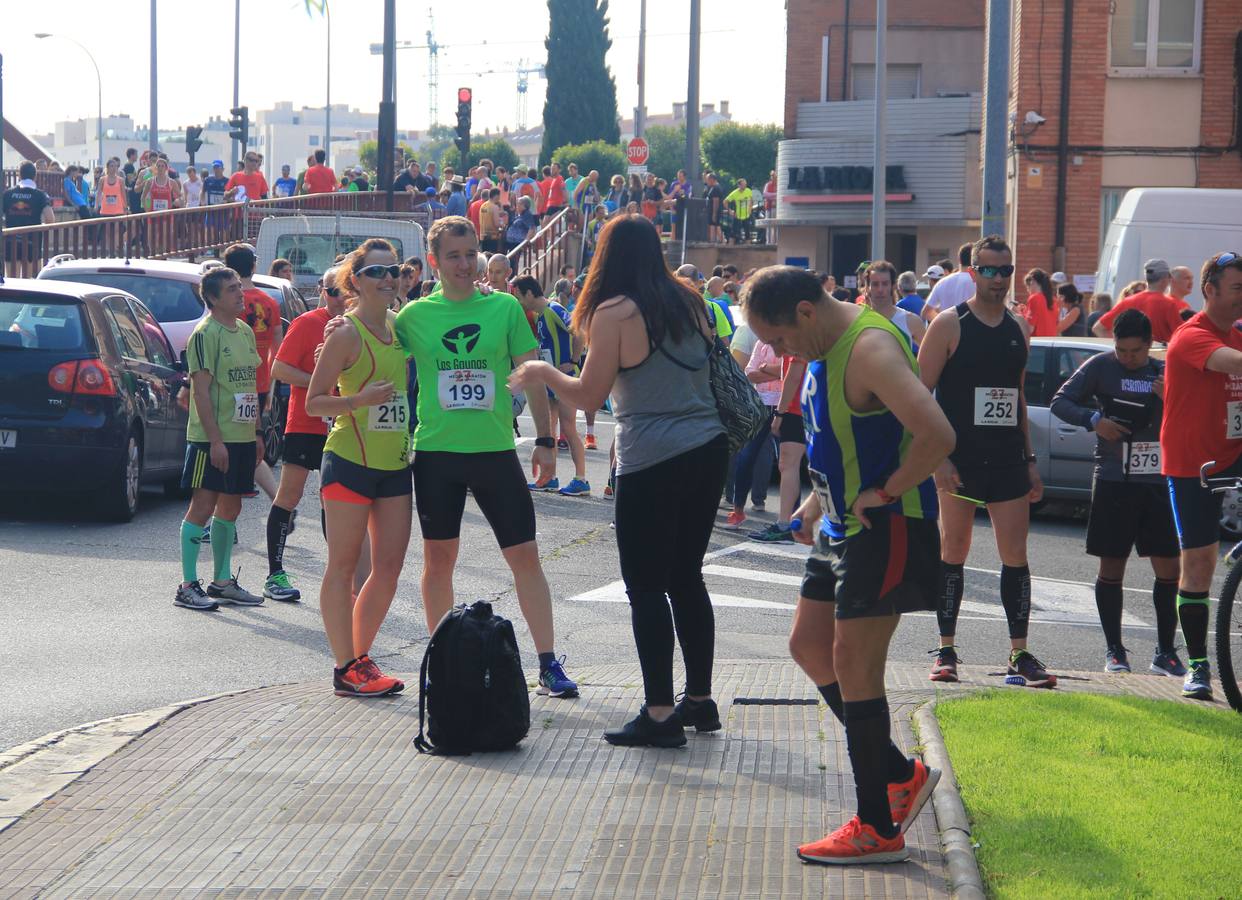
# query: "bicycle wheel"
[1229,637]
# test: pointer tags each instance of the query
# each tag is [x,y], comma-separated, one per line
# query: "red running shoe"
[362,678]
[944,668]
[589,442]
[854,844]
[907,798]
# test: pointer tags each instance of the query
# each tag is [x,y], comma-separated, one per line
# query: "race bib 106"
[467,389]
[246,408]
[996,406]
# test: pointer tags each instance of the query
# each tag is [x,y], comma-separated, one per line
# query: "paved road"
[90,630]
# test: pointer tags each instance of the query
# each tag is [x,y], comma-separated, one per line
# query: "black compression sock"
[1108,602]
[277,531]
[546,660]
[1192,609]
[1164,599]
[1015,591]
[866,734]
[952,587]
[900,767]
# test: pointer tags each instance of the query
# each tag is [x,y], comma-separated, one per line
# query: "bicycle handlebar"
[1218,485]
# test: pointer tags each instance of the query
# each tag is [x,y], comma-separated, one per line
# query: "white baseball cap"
[1059,278]
[934,272]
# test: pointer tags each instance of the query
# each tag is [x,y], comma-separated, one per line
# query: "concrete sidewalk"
[290,791]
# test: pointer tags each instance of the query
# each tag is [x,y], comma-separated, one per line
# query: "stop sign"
[637,152]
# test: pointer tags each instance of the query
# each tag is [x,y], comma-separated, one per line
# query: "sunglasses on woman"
[330,291]
[378,272]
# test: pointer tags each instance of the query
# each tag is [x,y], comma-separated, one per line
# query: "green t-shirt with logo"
[463,351]
[232,359]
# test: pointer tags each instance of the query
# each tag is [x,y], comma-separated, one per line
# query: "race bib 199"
[1143,458]
[1233,420]
[246,408]
[393,415]
[467,389]
[996,406]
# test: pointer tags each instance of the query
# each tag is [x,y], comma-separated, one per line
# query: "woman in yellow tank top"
[365,475]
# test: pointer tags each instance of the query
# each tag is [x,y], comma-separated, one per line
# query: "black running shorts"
[994,484]
[792,429]
[305,450]
[1128,515]
[496,481]
[199,474]
[890,568]
[1196,510]
[367,483]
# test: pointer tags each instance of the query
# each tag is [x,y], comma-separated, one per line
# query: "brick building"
[1152,103]
[935,83]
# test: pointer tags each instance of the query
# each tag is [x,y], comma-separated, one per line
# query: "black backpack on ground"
[472,689]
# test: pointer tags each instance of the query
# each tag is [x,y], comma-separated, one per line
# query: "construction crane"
[523,74]
[433,65]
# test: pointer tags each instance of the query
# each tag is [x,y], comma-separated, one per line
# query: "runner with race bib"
[1119,395]
[365,476]
[464,343]
[974,357]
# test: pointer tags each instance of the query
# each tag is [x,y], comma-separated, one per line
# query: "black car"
[88,387]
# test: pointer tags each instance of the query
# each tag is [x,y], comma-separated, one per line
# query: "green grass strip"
[1077,795]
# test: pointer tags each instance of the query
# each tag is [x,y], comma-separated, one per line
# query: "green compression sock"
[191,534]
[222,532]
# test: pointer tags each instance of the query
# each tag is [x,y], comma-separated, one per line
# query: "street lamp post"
[99,88]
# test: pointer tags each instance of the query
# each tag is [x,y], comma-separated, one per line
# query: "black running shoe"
[701,715]
[643,731]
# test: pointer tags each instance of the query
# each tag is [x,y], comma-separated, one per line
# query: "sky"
[283,58]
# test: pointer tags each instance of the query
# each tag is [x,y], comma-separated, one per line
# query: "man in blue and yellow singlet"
[875,436]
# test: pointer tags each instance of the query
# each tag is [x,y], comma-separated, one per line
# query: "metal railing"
[187,232]
[546,250]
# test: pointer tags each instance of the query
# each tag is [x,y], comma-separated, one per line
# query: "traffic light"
[192,140]
[240,125]
[464,97]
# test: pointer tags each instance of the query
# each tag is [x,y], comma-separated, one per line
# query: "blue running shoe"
[553,681]
[1198,683]
[773,534]
[576,488]
[1165,662]
[550,488]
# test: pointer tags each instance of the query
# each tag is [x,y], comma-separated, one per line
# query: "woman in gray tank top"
[649,340]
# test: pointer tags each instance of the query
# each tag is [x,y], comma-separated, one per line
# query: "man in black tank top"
[974,358]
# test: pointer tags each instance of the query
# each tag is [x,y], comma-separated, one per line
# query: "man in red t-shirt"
[553,188]
[473,211]
[790,434]
[304,434]
[319,179]
[248,184]
[1202,424]
[262,314]
[1165,312]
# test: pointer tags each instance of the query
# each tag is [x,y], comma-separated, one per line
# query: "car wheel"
[1231,515]
[118,501]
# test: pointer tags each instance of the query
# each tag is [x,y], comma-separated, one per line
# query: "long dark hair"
[1040,277]
[629,261]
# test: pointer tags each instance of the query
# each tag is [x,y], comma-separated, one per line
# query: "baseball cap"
[217,162]
[934,272]
[1155,269]
[1059,278]
[430,192]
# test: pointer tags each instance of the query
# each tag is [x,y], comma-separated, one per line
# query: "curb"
[965,880]
[36,770]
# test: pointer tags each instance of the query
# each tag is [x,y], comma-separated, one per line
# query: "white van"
[312,243]
[1182,225]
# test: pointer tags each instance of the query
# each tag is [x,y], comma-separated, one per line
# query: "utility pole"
[995,117]
[388,105]
[879,167]
[236,69]
[640,114]
[693,165]
[327,106]
[153,140]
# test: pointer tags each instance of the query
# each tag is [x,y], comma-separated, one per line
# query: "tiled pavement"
[292,792]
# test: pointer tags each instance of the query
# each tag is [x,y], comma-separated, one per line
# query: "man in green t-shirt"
[464,343]
[739,201]
[224,440]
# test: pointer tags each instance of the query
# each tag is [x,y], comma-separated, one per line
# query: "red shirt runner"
[321,179]
[1202,409]
[254,183]
[1043,320]
[298,350]
[1163,310]
[262,314]
[795,405]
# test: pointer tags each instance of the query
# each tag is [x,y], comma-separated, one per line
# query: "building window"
[903,81]
[314,140]
[1155,36]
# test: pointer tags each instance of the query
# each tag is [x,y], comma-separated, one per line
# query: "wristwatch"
[545,442]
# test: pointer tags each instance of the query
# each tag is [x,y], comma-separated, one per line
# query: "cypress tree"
[581,102]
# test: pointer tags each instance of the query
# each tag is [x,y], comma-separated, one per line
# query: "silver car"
[1066,452]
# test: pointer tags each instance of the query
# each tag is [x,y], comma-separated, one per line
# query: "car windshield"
[40,324]
[314,254]
[168,299]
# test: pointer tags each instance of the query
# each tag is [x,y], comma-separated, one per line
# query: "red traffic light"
[464,95]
